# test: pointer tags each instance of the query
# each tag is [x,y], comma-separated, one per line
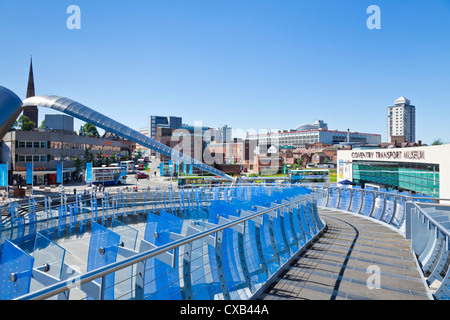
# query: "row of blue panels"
[383,205]
[245,259]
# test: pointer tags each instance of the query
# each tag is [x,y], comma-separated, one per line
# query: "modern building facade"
[222,134]
[421,170]
[311,134]
[46,148]
[401,120]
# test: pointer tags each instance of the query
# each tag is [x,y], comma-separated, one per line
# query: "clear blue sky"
[260,64]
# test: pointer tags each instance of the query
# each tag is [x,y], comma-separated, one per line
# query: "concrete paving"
[355,259]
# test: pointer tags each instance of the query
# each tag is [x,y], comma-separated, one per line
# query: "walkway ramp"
[339,265]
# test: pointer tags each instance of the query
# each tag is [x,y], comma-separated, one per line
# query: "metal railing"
[228,256]
[423,220]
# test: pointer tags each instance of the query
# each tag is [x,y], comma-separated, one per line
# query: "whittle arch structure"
[11,106]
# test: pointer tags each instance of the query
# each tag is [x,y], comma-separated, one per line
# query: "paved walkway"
[336,266]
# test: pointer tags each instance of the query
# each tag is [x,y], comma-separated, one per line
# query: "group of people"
[100,188]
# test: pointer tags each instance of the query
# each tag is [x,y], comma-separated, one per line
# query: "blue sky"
[260,64]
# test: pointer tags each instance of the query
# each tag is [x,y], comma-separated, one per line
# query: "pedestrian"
[74,190]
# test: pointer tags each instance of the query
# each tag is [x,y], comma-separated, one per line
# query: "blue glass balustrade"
[229,264]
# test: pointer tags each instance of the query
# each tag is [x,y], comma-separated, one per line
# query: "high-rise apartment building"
[222,134]
[402,120]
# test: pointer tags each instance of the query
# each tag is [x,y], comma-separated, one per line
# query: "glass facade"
[420,178]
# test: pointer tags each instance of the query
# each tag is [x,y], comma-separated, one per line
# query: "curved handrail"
[76,281]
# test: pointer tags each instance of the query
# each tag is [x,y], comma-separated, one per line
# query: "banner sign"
[29,173]
[89,172]
[3,175]
[59,173]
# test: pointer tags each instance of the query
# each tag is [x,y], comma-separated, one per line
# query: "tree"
[78,166]
[113,157]
[23,123]
[42,126]
[89,130]
[100,158]
[88,156]
[437,142]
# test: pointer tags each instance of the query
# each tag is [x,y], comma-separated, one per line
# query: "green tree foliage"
[437,142]
[88,156]
[23,123]
[90,130]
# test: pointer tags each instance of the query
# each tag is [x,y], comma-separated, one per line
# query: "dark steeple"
[31,112]
[30,89]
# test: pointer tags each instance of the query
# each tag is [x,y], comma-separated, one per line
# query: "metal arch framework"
[10,109]
[86,114]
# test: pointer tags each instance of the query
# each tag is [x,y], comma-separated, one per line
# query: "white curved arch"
[86,114]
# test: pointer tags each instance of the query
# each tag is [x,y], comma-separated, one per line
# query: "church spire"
[30,89]
[31,112]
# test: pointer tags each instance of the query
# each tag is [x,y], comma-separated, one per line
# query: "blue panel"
[29,172]
[300,232]
[379,206]
[334,196]
[52,216]
[389,209]
[108,241]
[16,265]
[282,246]
[89,172]
[345,198]
[30,221]
[62,221]
[18,225]
[123,289]
[161,280]
[59,173]
[270,255]
[3,175]
[291,236]
[368,204]
[231,265]
[306,226]
[47,252]
[73,218]
[356,201]
[252,255]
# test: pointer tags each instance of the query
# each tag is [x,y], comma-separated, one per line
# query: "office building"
[307,134]
[46,148]
[222,134]
[401,120]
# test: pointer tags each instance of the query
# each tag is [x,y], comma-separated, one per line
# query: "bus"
[310,176]
[109,175]
[129,165]
[197,181]
[140,164]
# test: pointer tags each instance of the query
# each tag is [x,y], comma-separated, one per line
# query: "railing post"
[220,267]
[186,289]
